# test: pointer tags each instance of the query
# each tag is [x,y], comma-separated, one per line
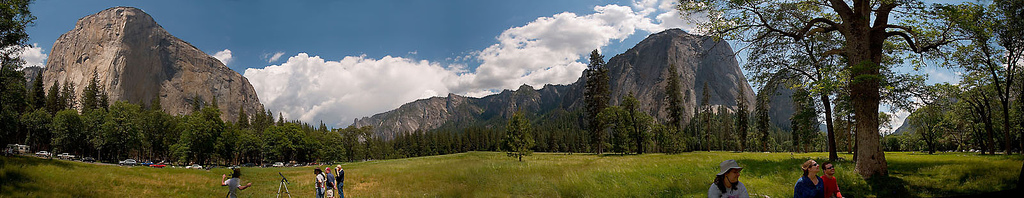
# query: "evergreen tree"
[67,95]
[804,120]
[38,95]
[704,132]
[154,104]
[197,103]
[243,119]
[90,98]
[761,116]
[518,140]
[104,101]
[596,96]
[675,110]
[214,103]
[53,100]
[742,119]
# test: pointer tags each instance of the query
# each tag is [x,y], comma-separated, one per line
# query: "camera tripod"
[284,183]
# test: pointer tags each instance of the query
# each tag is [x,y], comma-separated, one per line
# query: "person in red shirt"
[831,187]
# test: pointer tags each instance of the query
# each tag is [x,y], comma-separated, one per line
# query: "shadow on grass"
[887,186]
[12,178]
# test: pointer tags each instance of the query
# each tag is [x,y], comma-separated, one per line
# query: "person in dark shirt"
[340,178]
[809,185]
[329,193]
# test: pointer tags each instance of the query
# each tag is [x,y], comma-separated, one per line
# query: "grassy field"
[492,174]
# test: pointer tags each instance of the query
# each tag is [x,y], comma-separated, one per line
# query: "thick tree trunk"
[864,52]
[832,156]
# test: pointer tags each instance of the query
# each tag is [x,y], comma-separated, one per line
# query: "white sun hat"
[726,165]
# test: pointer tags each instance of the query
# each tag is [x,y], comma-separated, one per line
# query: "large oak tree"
[864,27]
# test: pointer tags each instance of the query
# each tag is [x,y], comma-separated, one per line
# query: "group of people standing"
[727,183]
[327,182]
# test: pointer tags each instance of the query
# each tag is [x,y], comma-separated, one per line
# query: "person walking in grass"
[330,183]
[340,178]
[809,185]
[727,182]
[232,183]
[319,182]
[831,187]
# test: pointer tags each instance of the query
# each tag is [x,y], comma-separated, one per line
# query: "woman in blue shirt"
[810,185]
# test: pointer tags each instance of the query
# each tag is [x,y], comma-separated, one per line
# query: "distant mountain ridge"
[642,70]
[135,60]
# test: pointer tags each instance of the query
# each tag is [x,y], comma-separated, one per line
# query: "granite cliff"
[135,60]
[642,70]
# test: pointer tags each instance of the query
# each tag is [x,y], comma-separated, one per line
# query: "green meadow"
[493,174]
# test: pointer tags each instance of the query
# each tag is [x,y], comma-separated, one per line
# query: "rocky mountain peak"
[135,60]
[642,70]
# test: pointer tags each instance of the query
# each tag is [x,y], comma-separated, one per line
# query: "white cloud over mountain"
[33,56]
[313,89]
[224,56]
[548,50]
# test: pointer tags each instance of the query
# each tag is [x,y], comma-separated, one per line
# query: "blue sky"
[339,60]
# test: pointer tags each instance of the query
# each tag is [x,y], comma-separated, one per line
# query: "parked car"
[147,163]
[128,162]
[278,164]
[194,166]
[43,154]
[157,165]
[18,148]
[65,156]
[248,165]
[88,159]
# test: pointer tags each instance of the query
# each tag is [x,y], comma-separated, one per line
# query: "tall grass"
[491,174]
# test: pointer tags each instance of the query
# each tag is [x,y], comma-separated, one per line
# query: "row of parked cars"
[133,162]
[65,156]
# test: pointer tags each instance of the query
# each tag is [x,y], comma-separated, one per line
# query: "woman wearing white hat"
[727,183]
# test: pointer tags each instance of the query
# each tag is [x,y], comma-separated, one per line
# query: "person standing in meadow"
[329,192]
[727,182]
[319,182]
[831,187]
[232,183]
[809,185]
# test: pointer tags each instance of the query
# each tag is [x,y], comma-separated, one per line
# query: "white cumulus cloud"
[548,50]
[224,56]
[33,56]
[313,89]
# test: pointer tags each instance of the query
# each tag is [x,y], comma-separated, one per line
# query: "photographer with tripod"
[233,183]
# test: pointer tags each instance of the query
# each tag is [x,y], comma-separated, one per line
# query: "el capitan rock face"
[642,70]
[135,60]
